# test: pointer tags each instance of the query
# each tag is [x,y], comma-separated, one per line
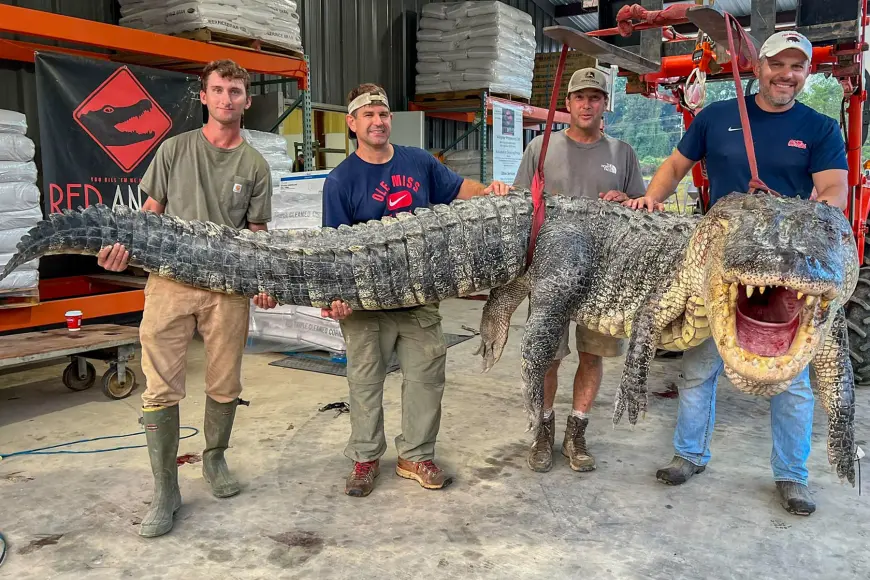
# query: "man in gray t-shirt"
[581,162]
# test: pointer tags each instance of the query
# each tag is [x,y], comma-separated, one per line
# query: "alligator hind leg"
[495,322]
[559,281]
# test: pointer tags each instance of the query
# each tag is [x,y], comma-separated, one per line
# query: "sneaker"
[795,498]
[426,473]
[678,471]
[574,445]
[541,453]
[361,480]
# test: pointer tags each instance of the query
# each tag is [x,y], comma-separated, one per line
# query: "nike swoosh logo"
[393,203]
[733,129]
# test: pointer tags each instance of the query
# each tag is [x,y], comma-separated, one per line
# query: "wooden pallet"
[236,41]
[212,37]
[19,298]
[469,95]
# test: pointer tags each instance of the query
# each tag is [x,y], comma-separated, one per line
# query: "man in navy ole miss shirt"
[798,150]
[380,179]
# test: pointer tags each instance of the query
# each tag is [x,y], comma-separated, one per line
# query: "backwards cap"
[373,98]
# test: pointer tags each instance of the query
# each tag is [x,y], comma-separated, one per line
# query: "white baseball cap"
[783,40]
[588,78]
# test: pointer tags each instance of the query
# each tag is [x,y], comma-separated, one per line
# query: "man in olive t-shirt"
[581,162]
[210,174]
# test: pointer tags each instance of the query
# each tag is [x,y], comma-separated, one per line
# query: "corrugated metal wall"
[354,41]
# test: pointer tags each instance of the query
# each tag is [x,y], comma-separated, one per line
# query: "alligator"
[103,124]
[765,277]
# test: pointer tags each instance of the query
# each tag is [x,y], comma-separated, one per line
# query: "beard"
[777,100]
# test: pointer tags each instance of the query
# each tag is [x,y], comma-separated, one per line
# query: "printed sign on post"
[507,141]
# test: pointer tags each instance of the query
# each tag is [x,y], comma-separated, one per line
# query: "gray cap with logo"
[588,78]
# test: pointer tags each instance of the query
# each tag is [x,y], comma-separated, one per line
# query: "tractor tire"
[858,320]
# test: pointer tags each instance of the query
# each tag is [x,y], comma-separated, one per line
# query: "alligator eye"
[108,109]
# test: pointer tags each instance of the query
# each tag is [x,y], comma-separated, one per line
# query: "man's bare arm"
[832,186]
[664,182]
[151,205]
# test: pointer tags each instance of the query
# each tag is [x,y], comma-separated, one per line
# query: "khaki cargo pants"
[172,312]
[415,336]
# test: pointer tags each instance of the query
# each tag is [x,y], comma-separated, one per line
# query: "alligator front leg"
[495,322]
[836,388]
[658,311]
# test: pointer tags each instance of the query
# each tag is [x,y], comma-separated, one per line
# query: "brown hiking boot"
[574,445]
[541,453]
[361,480]
[426,473]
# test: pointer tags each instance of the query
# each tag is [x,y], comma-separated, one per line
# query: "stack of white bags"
[466,163]
[289,328]
[19,198]
[296,208]
[475,45]
[275,21]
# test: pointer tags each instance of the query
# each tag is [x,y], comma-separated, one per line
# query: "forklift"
[663,52]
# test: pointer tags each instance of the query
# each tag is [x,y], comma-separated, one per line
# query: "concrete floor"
[498,520]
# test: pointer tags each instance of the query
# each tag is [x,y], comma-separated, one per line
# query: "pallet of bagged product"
[459,98]
[19,298]
[216,37]
[235,41]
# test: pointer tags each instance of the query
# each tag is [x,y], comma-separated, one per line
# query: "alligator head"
[103,124]
[774,272]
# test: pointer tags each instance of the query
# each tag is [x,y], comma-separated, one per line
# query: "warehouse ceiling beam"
[546,6]
[576,9]
[46,25]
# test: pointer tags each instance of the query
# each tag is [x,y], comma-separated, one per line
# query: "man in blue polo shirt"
[381,179]
[797,150]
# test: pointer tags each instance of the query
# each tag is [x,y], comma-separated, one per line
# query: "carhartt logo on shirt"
[237,188]
[609,167]
[797,143]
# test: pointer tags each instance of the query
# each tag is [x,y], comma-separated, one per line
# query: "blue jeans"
[791,415]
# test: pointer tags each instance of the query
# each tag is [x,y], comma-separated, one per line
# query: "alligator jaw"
[767,334]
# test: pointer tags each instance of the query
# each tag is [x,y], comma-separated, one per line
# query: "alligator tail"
[433,254]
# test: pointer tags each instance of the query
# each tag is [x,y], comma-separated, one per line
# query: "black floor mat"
[323,362]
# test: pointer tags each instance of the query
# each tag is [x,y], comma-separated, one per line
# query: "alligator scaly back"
[428,256]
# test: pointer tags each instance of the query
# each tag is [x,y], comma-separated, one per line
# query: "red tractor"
[659,50]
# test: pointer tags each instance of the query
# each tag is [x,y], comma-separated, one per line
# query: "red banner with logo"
[100,124]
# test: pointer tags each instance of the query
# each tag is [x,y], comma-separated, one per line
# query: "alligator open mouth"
[768,318]
[771,327]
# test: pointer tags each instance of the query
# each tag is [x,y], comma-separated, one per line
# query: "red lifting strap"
[538,205]
[674,14]
[740,59]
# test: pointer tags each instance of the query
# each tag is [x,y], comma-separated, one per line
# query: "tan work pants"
[416,338]
[172,312]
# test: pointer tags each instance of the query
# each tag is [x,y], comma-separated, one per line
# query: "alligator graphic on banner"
[100,124]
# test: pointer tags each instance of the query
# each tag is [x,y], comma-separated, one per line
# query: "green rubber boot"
[161,434]
[218,426]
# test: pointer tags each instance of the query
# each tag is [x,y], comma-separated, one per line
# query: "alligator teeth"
[801,295]
[811,300]
[732,291]
[824,303]
[749,291]
[761,289]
